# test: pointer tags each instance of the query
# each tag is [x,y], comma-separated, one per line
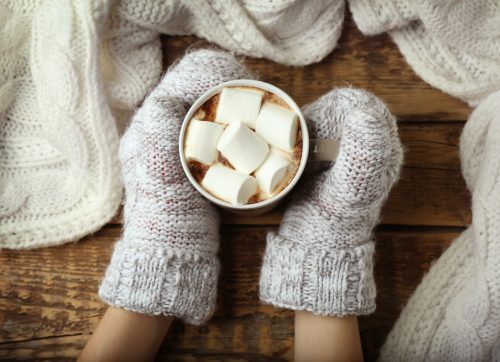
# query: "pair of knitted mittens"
[321,258]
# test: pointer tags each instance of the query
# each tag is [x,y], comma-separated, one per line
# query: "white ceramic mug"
[323,151]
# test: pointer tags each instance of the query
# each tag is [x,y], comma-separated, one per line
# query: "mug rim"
[245,83]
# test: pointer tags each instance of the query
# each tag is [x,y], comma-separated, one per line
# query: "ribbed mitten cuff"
[374,17]
[148,279]
[325,282]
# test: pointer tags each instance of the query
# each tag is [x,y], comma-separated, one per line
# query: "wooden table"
[48,297]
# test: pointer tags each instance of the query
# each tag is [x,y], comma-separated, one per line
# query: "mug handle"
[322,152]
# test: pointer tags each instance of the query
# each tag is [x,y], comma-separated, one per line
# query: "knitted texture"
[59,167]
[452,44]
[321,258]
[166,261]
[71,73]
[454,315]
[294,32]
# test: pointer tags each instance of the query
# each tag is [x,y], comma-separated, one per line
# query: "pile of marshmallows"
[243,131]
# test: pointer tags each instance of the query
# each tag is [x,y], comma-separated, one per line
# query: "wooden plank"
[431,145]
[373,63]
[431,190]
[49,305]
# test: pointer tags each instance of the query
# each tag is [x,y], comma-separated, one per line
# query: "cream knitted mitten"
[321,258]
[166,261]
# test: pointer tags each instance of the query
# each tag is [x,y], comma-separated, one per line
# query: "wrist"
[141,334]
[326,338]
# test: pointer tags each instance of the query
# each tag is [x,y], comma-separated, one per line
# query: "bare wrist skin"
[326,338]
[123,336]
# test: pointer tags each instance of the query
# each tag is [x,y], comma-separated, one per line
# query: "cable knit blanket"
[72,70]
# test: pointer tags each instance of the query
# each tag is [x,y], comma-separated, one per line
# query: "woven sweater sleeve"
[375,17]
[260,29]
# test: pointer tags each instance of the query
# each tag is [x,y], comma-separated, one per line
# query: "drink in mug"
[244,145]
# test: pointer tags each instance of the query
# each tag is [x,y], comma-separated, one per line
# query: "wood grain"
[49,306]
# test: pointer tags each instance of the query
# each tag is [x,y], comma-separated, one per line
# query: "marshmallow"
[242,147]
[239,105]
[278,125]
[201,141]
[272,172]
[229,185]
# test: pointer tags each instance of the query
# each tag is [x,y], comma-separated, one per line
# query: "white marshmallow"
[229,185]
[201,141]
[242,147]
[272,172]
[278,125]
[239,105]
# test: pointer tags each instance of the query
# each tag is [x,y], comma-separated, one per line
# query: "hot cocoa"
[244,145]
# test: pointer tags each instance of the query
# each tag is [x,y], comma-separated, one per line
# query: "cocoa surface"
[207,112]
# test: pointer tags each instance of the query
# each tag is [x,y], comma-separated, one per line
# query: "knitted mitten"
[321,258]
[166,261]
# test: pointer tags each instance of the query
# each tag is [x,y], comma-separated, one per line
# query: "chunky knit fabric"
[454,315]
[166,261]
[321,258]
[294,32]
[59,168]
[71,73]
[452,44]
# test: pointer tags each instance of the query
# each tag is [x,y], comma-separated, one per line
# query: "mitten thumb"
[370,153]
